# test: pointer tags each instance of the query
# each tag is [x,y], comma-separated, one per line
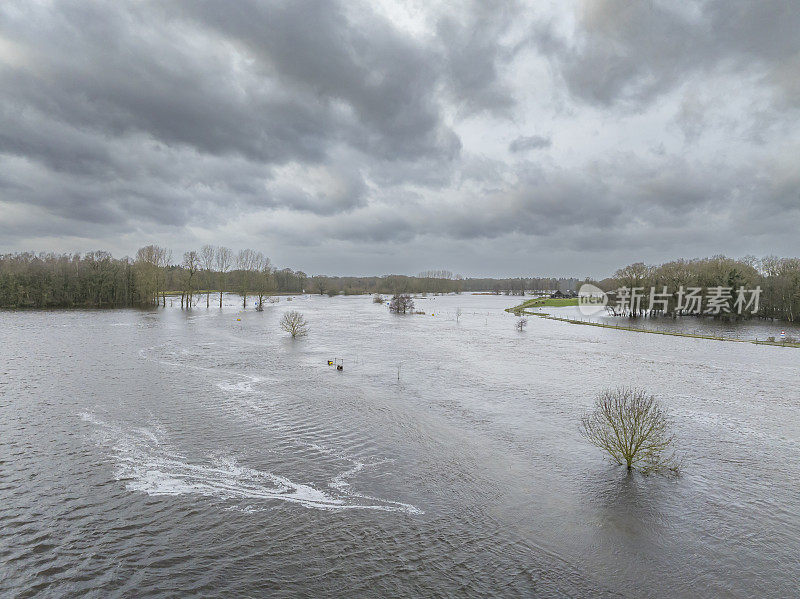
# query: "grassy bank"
[539,302]
[522,309]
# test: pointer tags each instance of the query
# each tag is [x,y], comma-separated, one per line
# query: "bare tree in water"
[245,263]
[163,260]
[633,428]
[223,259]
[401,303]
[264,280]
[145,269]
[207,260]
[294,324]
[150,269]
[191,264]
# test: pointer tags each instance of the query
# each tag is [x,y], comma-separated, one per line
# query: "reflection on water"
[165,451]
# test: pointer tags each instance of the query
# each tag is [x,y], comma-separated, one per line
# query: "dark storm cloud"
[337,123]
[100,79]
[633,51]
[117,71]
[613,204]
[385,80]
[472,47]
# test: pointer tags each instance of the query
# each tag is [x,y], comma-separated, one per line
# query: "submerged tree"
[245,263]
[207,253]
[150,273]
[401,303]
[146,275]
[633,428]
[264,279]
[163,261]
[521,324]
[223,259]
[191,264]
[294,324]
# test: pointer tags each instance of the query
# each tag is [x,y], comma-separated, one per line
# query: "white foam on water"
[150,465]
[339,481]
[224,478]
[91,419]
[245,386]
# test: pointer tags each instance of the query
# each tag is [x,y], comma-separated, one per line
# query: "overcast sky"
[489,138]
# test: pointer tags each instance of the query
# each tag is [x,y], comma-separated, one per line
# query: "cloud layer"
[358,137]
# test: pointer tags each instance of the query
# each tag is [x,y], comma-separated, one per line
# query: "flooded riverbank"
[205,451]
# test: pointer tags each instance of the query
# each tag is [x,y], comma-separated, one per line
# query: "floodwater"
[750,329]
[167,452]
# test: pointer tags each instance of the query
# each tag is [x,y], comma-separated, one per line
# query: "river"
[166,452]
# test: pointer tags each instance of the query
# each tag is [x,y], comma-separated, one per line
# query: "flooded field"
[749,329]
[150,452]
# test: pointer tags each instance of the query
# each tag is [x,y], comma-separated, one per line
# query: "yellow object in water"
[238,320]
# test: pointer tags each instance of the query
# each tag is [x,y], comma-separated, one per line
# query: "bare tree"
[521,324]
[207,260]
[301,280]
[294,324]
[262,266]
[146,273]
[319,284]
[401,303]
[163,260]
[223,259]
[245,262]
[377,298]
[634,276]
[632,427]
[150,272]
[191,264]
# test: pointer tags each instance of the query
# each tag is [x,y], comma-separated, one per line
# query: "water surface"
[150,453]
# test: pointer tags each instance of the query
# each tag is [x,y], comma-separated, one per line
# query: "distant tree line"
[521,285]
[440,281]
[778,278]
[98,280]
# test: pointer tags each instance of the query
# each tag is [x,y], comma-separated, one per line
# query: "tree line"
[98,280]
[778,279]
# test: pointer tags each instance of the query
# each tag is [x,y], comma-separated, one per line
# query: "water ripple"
[146,463]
